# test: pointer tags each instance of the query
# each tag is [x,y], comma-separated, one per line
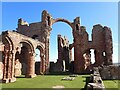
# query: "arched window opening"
[104,54]
[48,17]
[37,55]
[77,27]
[92,56]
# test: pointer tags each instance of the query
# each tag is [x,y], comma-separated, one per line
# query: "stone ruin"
[110,72]
[95,81]
[18,47]
[63,61]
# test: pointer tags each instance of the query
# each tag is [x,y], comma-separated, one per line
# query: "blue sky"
[90,13]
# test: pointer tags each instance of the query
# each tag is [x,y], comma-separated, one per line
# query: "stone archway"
[63,20]
[16,49]
[8,60]
[27,58]
[48,21]
[41,69]
[63,52]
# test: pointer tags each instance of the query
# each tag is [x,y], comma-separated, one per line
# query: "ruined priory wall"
[102,43]
[63,51]
[98,42]
[80,45]
[33,30]
[108,46]
[110,72]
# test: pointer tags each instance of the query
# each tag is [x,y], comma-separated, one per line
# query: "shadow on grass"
[22,76]
[88,80]
[66,73]
[58,73]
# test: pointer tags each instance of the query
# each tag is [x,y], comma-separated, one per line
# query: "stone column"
[42,65]
[47,37]
[31,66]
[9,64]
[47,58]
[5,79]
[13,79]
[8,74]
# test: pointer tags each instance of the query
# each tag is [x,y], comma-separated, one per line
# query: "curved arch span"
[62,20]
[29,44]
[10,42]
[40,46]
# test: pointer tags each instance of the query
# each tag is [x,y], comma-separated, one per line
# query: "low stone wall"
[56,67]
[37,68]
[97,83]
[110,72]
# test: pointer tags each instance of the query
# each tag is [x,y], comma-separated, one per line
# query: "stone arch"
[27,58]
[40,48]
[28,44]
[42,59]
[9,43]
[8,60]
[62,20]
[70,24]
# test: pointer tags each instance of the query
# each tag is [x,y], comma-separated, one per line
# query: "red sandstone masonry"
[28,37]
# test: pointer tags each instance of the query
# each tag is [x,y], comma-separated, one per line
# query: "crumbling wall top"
[22,22]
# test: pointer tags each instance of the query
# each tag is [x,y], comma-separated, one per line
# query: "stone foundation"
[97,83]
[110,72]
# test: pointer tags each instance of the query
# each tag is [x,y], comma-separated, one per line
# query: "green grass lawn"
[111,84]
[47,81]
